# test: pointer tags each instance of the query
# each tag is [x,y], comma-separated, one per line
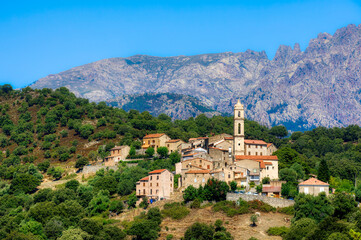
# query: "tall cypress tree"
[323,173]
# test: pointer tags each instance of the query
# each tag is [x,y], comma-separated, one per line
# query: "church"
[228,158]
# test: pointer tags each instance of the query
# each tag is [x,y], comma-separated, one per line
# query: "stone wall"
[95,168]
[274,202]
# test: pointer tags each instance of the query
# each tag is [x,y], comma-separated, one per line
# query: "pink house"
[158,184]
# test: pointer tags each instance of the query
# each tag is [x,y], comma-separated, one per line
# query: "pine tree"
[323,171]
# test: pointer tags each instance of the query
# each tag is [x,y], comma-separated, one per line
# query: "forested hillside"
[44,131]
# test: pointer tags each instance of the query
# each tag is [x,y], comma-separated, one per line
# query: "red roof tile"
[157,171]
[269,144]
[271,189]
[252,157]
[228,138]
[144,179]
[313,182]
[261,164]
[155,135]
[198,171]
[256,142]
[268,163]
[197,158]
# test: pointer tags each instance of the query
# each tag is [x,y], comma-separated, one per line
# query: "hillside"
[317,87]
[177,106]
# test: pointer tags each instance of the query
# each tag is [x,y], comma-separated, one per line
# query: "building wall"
[271,149]
[196,180]
[156,142]
[270,171]
[238,131]
[161,184]
[253,167]
[174,146]
[256,150]
[117,155]
[314,190]
[218,137]
[142,188]
[199,162]
[219,155]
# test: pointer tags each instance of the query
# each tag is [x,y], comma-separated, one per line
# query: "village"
[249,163]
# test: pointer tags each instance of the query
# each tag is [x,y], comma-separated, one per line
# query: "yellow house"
[155,141]
[174,145]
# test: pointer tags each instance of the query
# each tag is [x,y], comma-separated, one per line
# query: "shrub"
[196,203]
[175,211]
[169,237]
[261,206]
[287,210]
[231,208]
[278,231]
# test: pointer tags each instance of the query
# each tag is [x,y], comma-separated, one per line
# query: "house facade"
[117,153]
[157,185]
[155,140]
[313,187]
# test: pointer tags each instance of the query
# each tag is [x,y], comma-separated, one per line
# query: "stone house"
[196,178]
[255,147]
[197,163]
[157,185]
[267,165]
[174,145]
[313,187]
[155,140]
[117,153]
[271,148]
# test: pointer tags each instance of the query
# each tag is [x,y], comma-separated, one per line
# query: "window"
[156,191]
[306,190]
[143,191]
[151,191]
[157,177]
[143,184]
[255,170]
[148,141]
[167,145]
[170,185]
[322,189]
[229,175]
[170,178]
[249,153]
[157,184]
[260,154]
[239,113]
[231,168]
[256,146]
[208,167]
[150,184]
[267,168]
[150,177]
[239,128]
[195,180]
[256,153]
[139,192]
[153,141]
[200,160]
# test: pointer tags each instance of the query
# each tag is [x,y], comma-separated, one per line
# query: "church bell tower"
[238,136]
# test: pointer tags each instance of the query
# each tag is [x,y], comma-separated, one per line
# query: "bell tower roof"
[238,105]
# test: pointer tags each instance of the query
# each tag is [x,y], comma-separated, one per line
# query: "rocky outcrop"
[176,106]
[319,86]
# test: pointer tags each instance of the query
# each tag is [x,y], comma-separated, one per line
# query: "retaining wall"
[274,202]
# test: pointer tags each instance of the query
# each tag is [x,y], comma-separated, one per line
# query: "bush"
[231,208]
[196,203]
[24,182]
[261,206]
[287,210]
[72,184]
[278,231]
[43,166]
[175,211]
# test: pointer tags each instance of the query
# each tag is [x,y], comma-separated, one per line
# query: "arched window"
[239,128]
[239,113]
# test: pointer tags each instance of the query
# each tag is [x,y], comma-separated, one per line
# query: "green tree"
[24,182]
[43,166]
[199,231]
[279,131]
[266,180]
[74,234]
[233,186]
[99,203]
[81,162]
[254,219]
[132,200]
[132,151]
[175,157]
[343,204]
[162,151]
[53,228]
[323,172]
[190,193]
[288,175]
[308,206]
[72,184]
[300,228]
[86,130]
[149,152]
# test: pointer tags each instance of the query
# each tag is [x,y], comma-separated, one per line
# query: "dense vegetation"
[43,131]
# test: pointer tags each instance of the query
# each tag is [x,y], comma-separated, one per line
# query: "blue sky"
[38,38]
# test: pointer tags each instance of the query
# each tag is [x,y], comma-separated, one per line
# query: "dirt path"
[238,226]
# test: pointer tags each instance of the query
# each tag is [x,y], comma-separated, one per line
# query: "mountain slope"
[319,86]
[177,106]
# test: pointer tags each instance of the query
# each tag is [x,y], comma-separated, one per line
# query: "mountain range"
[299,89]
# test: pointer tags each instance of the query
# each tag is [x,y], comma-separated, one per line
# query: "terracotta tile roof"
[228,138]
[269,144]
[190,154]
[217,171]
[144,179]
[271,189]
[268,163]
[221,149]
[173,141]
[199,138]
[198,171]
[155,135]
[255,142]
[157,171]
[313,182]
[252,157]
[261,164]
